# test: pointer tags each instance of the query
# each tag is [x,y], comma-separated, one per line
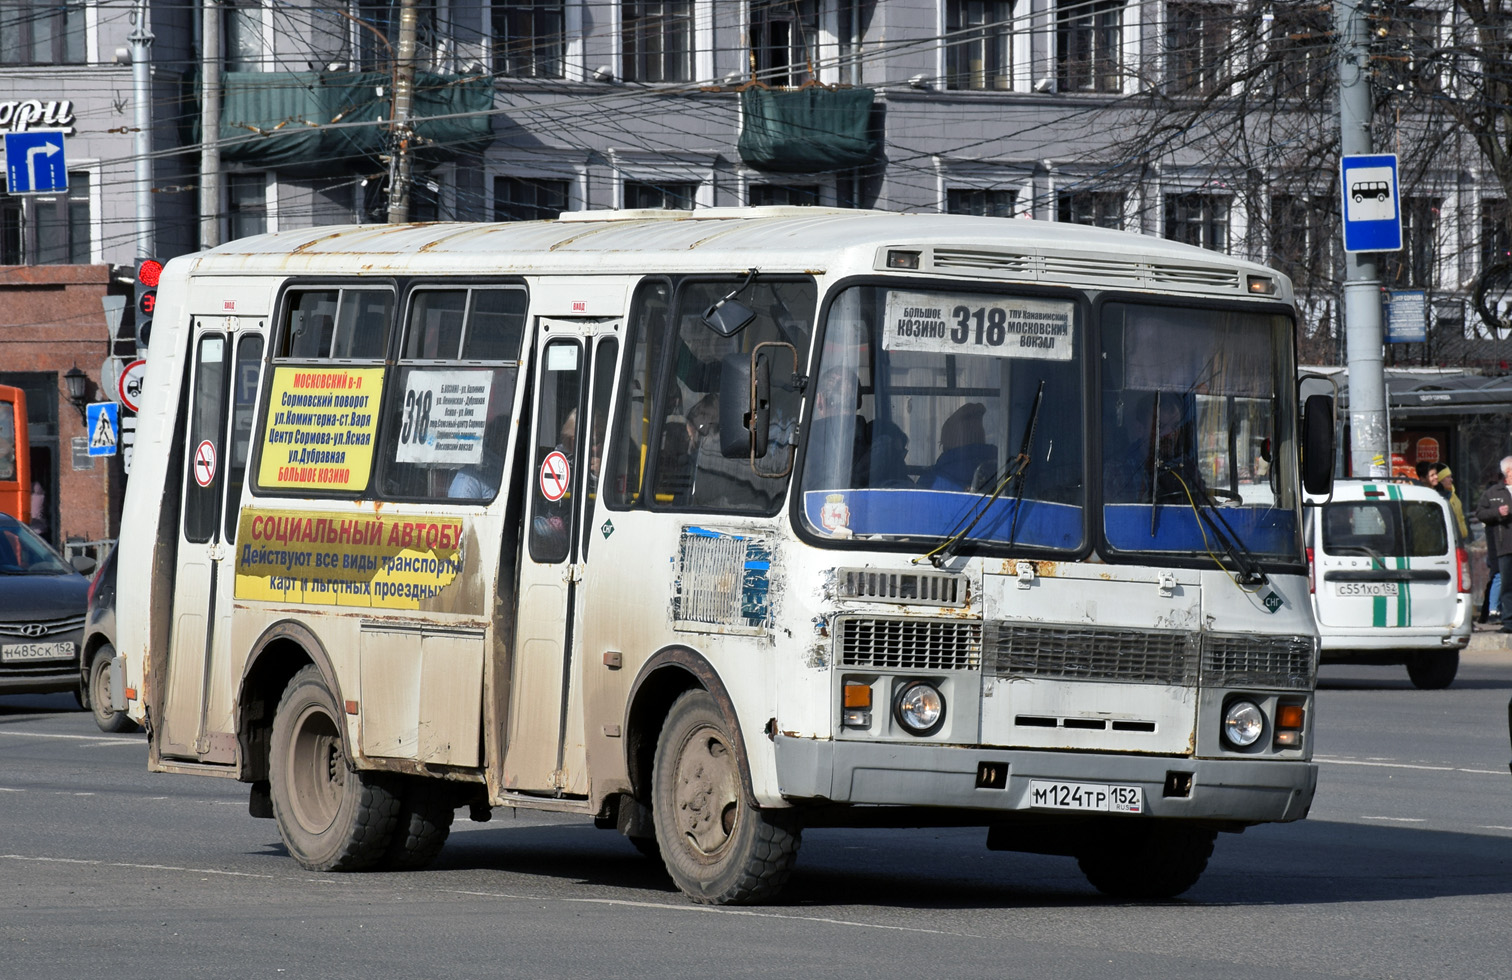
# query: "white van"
[1390,580]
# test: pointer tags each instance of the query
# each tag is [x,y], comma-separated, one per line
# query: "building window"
[784,34]
[793,195]
[47,230]
[1416,265]
[1301,43]
[1088,42]
[657,36]
[41,32]
[1198,219]
[377,33]
[670,196]
[246,204]
[1197,47]
[1300,237]
[530,37]
[243,35]
[528,199]
[1495,232]
[988,203]
[979,54]
[1100,209]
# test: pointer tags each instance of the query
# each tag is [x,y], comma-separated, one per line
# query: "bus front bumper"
[1240,790]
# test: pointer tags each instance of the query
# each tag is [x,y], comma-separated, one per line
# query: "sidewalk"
[1488,638]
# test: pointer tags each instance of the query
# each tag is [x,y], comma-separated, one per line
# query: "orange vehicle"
[15,456]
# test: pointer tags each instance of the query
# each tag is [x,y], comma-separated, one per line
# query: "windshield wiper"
[1208,511]
[1016,470]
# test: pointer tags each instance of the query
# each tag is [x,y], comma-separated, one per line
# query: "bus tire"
[99,694]
[1149,861]
[331,817]
[426,809]
[1432,670]
[718,848]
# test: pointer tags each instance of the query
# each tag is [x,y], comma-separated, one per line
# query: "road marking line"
[135,867]
[1407,765]
[1398,819]
[1492,826]
[97,739]
[669,907]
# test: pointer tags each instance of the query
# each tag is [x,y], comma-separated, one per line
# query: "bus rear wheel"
[330,816]
[426,809]
[1146,861]
[718,848]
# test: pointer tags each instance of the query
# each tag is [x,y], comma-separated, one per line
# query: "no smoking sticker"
[554,476]
[204,463]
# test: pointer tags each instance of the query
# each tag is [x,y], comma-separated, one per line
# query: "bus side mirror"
[1318,445]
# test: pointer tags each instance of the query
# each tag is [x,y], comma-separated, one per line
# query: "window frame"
[1089,46]
[974,27]
[660,20]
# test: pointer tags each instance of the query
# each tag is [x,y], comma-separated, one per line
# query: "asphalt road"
[1404,869]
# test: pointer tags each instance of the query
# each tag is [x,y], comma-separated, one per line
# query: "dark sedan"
[42,607]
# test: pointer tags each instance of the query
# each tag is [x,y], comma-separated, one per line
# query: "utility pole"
[210,114]
[400,163]
[141,84]
[1369,435]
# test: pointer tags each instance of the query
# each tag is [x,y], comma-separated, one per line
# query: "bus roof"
[729,239]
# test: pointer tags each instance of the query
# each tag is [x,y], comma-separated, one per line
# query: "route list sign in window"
[320,428]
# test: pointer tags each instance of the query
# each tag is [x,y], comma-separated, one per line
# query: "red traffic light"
[149,271]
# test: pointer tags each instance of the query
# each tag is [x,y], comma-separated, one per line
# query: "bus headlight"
[1243,723]
[920,708]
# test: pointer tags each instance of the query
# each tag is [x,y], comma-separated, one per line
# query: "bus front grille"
[911,644]
[1246,660]
[911,588]
[1119,656]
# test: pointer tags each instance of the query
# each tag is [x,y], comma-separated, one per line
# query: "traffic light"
[148,271]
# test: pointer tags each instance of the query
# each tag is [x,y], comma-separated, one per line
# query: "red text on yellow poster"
[320,428]
[376,561]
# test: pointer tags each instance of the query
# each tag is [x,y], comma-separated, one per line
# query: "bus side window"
[632,441]
[454,394]
[244,378]
[206,423]
[558,432]
[693,472]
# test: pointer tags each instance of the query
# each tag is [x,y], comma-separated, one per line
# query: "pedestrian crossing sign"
[103,422]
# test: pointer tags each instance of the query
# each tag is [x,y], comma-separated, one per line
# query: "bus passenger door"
[545,740]
[196,720]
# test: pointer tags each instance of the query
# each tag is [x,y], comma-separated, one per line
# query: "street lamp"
[78,386]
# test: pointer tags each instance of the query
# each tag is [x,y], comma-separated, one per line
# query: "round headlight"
[920,708]
[1243,723]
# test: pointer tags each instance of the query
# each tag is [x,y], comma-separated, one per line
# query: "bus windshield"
[924,400]
[952,412]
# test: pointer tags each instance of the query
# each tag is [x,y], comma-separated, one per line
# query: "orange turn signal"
[1290,717]
[857,695]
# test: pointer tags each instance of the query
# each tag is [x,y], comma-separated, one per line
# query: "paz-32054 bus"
[711,526]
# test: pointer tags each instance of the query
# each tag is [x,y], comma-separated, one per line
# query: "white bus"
[714,525]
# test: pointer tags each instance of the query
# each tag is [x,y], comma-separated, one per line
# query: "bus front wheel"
[331,817]
[1135,859]
[718,848]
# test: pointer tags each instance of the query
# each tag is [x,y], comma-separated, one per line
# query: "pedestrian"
[1444,484]
[1495,512]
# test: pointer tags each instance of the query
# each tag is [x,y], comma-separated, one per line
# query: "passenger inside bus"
[480,481]
[967,460]
[878,450]
[1160,462]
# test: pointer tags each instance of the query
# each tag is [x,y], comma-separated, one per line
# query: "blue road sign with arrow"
[35,163]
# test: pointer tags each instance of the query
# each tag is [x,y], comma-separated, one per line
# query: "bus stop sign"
[1372,217]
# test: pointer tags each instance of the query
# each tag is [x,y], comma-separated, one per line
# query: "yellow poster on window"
[320,428]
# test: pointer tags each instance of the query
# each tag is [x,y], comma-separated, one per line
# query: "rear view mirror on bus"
[735,406]
[1318,445]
